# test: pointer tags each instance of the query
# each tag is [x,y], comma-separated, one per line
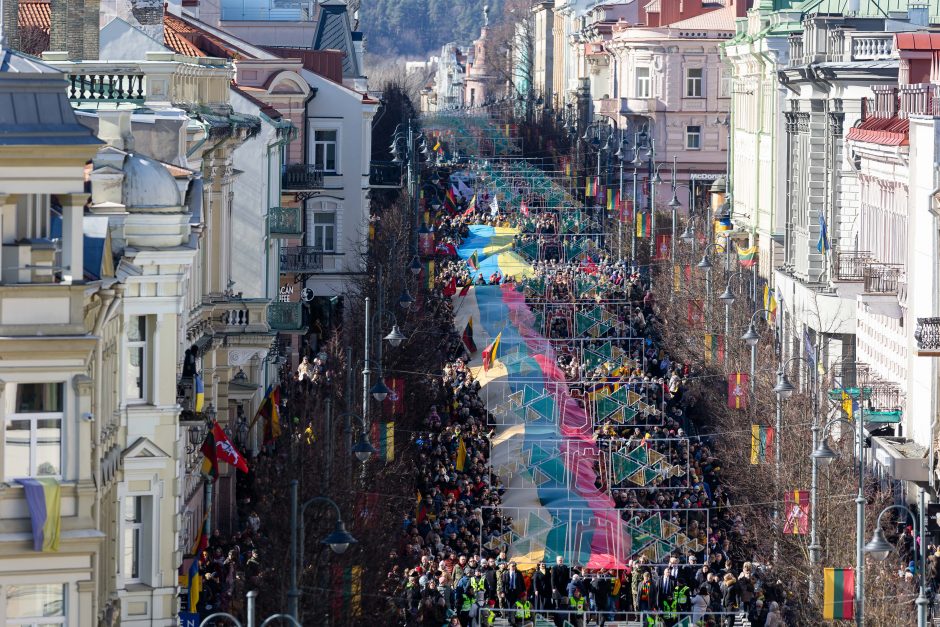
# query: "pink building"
[668,80]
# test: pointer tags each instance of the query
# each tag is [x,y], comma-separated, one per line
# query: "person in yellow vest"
[523,615]
[578,605]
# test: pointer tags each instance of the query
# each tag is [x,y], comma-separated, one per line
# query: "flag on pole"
[714,348]
[383,436]
[839,593]
[210,465]
[770,303]
[200,391]
[472,207]
[490,352]
[269,410]
[464,290]
[848,405]
[468,337]
[437,146]
[695,312]
[823,244]
[747,257]
[796,509]
[737,392]
[474,260]
[642,225]
[589,186]
[347,595]
[194,584]
[461,456]
[226,451]
[610,199]
[762,439]
[429,274]
[663,246]
[394,403]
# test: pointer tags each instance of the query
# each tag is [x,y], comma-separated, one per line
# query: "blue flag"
[809,348]
[823,244]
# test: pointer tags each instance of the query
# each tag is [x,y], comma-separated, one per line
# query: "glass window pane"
[38,397]
[132,509]
[326,136]
[137,329]
[324,218]
[35,600]
[131,552]
[135,373]
[328,239]
[16,450]
[49,446]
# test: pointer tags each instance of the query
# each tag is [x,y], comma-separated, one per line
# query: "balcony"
[301,260]
[300,177]
[870,47]
[927,336]
[919,99]
[385,174]
[285,222]
[881,287]
[286,316]
[796,49]
[850,265]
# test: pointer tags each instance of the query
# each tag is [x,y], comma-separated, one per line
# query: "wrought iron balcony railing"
[850,265]
[882,278]
[301,177]
[286,316]
[285,222]
[384,174]
[301,259]
[927,334]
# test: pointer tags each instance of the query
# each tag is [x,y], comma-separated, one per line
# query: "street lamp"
[379,391]
[396,337]
[751,338]
[405,301]
[338,541]
[879,548]
[784,389]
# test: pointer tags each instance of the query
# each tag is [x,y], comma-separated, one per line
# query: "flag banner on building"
[199,389]
[737,390]
[210,465]
[809,349]
[437,146]
[347,591]
[461,456]
[626,210]
[598,190]
[368,509]
[796,512]
[44,502]
[722,225]
[394,403]
[490,353]
[762,440]
[688,272]
[383,439]
[695,311]
[714,348]
[429,274]
[642,225]
[747,257]
[225,451]
[269,410]
[839,593]
[611,195]
[663,247]
[468,337]
[770,303]
[823,244]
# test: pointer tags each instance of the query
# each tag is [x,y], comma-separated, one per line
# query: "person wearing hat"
[523,616]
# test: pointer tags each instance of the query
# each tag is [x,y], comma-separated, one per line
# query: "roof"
[917,41]
[264,107]
[891,131]
[34,14]
[334,33]
[866,8]
[719,19]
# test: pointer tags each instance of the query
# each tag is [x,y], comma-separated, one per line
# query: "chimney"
[114,128]
[917,13]
[74,28]
[9,14]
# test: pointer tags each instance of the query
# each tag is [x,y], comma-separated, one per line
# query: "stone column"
[73,211]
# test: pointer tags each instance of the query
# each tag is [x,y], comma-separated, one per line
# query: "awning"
[902,458]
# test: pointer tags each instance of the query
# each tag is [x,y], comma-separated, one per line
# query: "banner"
[762,439]
[714,348]
[695,311]
[663,247]
[347,590]
[394,403]
[796,512]
[383,435]
[737,390]
[839,593]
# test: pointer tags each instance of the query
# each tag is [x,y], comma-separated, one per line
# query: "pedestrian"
[542,588]
[730,599]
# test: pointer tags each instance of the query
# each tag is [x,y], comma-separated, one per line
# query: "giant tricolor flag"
[762,440]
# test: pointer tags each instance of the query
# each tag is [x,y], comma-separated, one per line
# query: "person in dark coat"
[513,584]
[560,578]
[542,588]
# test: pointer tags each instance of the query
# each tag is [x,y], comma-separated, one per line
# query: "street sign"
[189,620]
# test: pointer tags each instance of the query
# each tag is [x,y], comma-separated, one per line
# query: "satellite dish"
[306,295]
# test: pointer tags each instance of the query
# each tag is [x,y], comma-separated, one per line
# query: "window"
[324,231]
[33,430]
[133,529]
[137,366]
[35,604]
[725,86]
[324,150]
[693,137]
[693,82]
[643,86]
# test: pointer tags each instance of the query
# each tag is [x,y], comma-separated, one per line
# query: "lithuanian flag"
[490,352]
[384,436]
[642,225]
[762,438]
[838,593]
[474,260]
[747,257]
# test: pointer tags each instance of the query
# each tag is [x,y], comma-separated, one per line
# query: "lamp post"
[879,548]
[728,297]
[783,390]
[823,455]
[751,338]
[338,541]
[706,265]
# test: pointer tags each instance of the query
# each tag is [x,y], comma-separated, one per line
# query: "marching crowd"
[449,567]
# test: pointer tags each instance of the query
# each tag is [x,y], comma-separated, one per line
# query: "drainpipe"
[935,298]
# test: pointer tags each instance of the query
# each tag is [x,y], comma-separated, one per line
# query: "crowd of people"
[450,567]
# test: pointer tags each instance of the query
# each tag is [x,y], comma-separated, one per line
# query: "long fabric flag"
[210,464]
[747,257]
[823,244]
[472,207]
[642,225]
[610,199]
[383,434]
[663,247]
[848,405]
[714,348]
[429,274]
[461,456]
[269,410]
[226,451]
[796,508]
[474,260]
[490,353]
[44,501]
[737,390]
[762,440]
[770,302]
[838,593]
[468,337]
[347,595]
[200,390]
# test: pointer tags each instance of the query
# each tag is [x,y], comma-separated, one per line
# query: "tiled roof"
[719,19]
[918,41]
[35,14]
[883,131]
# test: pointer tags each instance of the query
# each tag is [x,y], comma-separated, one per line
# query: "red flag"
[737,390]
[588,266]
[210,465]
[524,208]
[226,451]
[796,512]
[695,313]
[663,246]
[451,287]
[464,290]
[394,403]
